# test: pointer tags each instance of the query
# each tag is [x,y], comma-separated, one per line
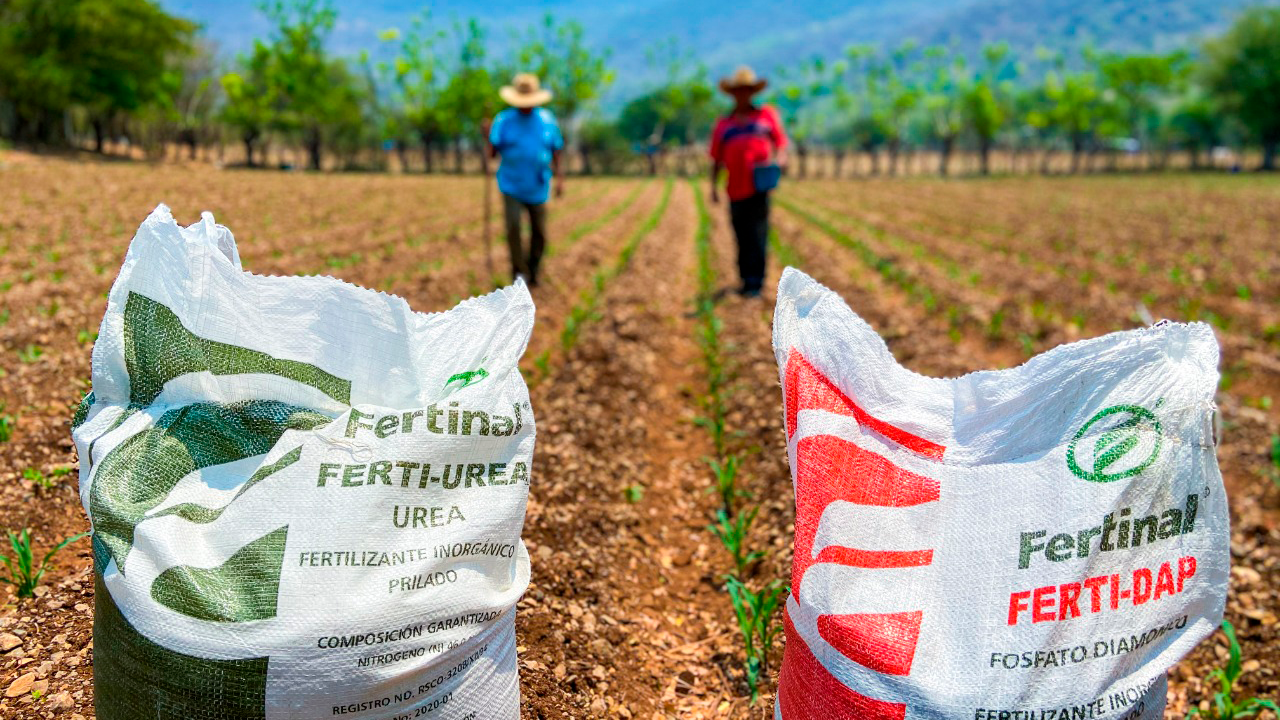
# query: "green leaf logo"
[1125,428]
[463,379]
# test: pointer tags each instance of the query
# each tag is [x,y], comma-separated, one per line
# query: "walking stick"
[488,220]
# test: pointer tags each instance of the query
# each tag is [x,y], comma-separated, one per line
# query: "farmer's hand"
[715,194]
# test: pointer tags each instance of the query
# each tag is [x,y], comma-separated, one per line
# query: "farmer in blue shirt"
[528,140]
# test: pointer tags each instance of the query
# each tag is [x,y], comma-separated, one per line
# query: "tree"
[419,79]
[195,103]
[1072,105]
[251,102]
[890,99]
[604,148]
[805,87]
[1241,70]
[986,103]
[471,94]
[678,111]
[1137,80]
[307,101]
[557,53]
[1196,126]
[943,102]
[109,58]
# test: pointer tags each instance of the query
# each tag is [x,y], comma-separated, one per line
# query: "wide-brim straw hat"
[744,78]
[524,92]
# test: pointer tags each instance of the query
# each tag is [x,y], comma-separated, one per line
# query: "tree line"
[83,72]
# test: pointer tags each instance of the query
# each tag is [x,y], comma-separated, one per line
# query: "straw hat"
[744,78]
[524,92]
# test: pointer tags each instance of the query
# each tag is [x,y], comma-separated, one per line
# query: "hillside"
[764,33]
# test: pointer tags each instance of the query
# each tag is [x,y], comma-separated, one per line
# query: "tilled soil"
[626,615]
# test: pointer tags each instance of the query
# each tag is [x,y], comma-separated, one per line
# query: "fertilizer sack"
[306,499]
[1039,543]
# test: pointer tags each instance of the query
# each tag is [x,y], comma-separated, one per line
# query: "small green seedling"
[30,353]
[733,535]
[1224,705]
[633,493]
[755,611]
[23,573]
[37,477]
[726,472]
[7,423]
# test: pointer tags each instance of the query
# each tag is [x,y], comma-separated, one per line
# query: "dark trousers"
[750,218]
[523,263]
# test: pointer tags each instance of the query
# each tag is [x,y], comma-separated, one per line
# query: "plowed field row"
[627,614]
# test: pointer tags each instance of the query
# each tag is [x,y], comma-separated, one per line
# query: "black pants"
[523,263]
[750,218]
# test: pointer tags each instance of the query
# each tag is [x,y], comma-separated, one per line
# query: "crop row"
[586,308]
[754,603]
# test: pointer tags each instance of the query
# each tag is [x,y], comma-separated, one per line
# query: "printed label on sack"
[284,562]
[1056,587]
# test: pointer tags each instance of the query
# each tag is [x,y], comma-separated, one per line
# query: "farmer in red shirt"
[750,144]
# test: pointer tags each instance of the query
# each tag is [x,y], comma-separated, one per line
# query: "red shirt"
[741,142]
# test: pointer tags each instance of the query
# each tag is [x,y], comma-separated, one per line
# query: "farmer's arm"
[557,149]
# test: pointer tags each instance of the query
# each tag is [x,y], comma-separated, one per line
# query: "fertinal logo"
[1128,444]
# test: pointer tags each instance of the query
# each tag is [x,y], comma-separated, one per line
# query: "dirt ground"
[626,615]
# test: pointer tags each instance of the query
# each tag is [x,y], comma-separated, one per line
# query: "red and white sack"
[1039,543]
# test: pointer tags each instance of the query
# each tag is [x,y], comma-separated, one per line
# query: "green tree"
[943,105]
[1196,126]
[1072,106]
[108,58]
[1241,70]
[308,103]
[558,54]
[987,101]
[676,112]
[797,100]
[890,97]
[1138,81]
[603,146]
[354,120]
[471,94]
[195,102]
[420,81]
[250,93]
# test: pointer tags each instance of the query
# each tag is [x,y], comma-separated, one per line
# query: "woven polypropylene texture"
[306,498]
[1033,543]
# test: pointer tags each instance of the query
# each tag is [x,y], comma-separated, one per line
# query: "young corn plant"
[755,611]
[732,532]
[23,572]
[37,477]
[7,423]
[1224,705]
[726,472]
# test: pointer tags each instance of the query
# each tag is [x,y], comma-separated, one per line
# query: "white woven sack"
[1039,543]
[306,498]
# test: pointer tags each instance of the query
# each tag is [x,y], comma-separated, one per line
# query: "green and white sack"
[1038,543]
[306,498]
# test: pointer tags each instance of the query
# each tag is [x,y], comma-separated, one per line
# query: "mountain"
[764,33]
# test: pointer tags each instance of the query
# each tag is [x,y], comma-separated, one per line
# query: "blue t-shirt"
[525,142]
